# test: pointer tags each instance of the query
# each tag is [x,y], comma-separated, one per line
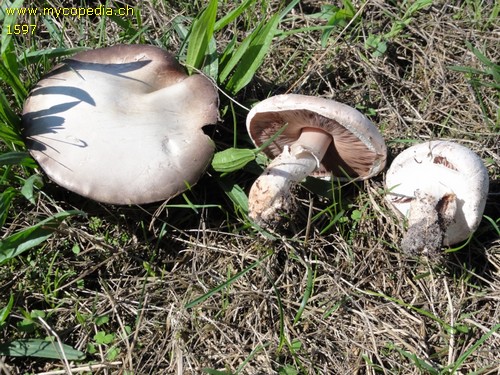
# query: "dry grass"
[369,304]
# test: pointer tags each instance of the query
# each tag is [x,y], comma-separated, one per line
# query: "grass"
[191,286]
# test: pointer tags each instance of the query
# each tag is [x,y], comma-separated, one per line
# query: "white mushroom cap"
[357,147]
[440,170]
[121,124]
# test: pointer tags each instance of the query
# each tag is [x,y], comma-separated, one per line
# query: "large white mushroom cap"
[439,170]
[121,124]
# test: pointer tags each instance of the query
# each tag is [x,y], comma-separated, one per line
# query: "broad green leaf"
[101,320]
[28,238]
[340,17]
[232,159]
[200,34]
[41,349]
[236,194]
[244,60]
[103,338]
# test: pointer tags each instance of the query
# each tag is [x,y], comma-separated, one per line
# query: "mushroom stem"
[429,217]
[271,191]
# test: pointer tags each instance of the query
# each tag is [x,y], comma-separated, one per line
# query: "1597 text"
[19,29]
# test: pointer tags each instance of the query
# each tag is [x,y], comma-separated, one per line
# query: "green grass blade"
[231,16]
[261,40]
[41,349]
[5,312]
[248,57]
[254,352]
[494,224]
[226,56]
[10,137]
[179,26]
[224,285]
[200,34]
[9,117]
[215,372]
[53,30]
[419,363]
[28,238]
[28,189]
[235,58]
[33,57]
[288,8]
[466,69]
[473,348]
[131,34]
[422,312]
[13,81]
[307,292]
[5,202]
[211,67]
[17,158]
[8,20]
[416,7]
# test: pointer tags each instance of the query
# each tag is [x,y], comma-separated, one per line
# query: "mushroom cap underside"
[357,150]
[440,168]
[121,125]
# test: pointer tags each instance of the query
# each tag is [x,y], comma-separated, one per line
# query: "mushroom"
[441,188]
[121,124]
[321,137]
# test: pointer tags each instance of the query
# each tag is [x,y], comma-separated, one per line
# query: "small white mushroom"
[441,188]
[121,124]
[322,138]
